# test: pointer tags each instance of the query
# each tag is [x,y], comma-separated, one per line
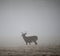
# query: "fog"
[36,17]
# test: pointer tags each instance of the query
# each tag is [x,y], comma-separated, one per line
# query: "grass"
[30,51]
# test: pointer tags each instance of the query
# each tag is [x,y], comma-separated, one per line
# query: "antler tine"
[24,33]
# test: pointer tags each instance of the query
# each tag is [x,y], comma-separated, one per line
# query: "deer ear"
[25,33]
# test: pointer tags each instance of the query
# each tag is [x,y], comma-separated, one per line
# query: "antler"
[23,33]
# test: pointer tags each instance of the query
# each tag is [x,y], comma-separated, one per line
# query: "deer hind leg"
[35,42]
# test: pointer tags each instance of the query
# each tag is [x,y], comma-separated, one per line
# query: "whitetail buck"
[29,39]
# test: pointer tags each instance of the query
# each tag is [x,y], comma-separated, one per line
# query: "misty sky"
[36,17]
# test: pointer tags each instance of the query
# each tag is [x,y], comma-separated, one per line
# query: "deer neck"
[24,37]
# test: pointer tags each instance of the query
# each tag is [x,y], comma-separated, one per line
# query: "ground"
[30,51]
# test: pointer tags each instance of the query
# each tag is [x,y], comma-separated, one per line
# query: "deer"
[29,39]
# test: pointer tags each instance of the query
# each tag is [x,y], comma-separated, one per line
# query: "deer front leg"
[26,43]
[29,43]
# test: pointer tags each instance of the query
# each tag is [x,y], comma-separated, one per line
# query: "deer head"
[23,34]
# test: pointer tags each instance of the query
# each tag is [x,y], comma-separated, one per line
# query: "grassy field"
[30,51]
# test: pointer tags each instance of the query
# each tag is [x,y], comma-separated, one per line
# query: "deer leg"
[29,43]
[35,43]
[26,43]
